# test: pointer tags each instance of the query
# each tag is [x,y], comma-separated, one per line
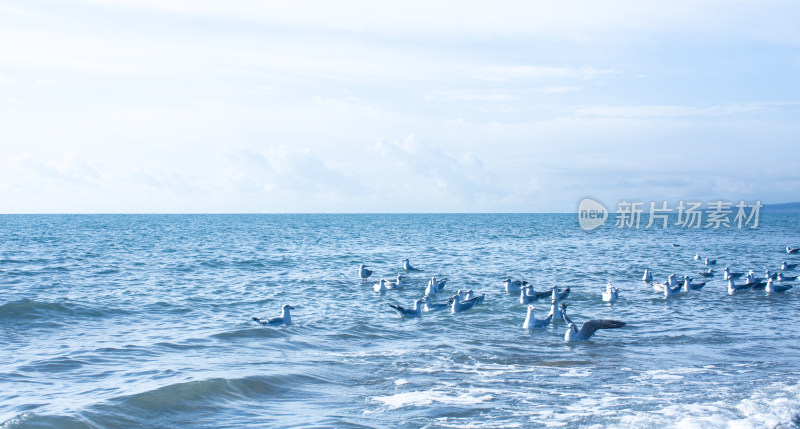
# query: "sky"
[157,106]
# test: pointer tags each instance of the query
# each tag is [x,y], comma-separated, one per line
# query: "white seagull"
[588,328]
[471,295]
[648,276]
[709,273]
[782,278]
[407,266]
[688,285]
[560,295]
[671,282]
[533,322]
[557,311]
[751,281]
[792,251]
[407,312]
[430,306]
[671,290]
[787,267]
[364,272]
[513,285]
[697,257]
[711,261]
[734,289]
[524,298]
[776,288]
[380,286]
[434,286]
[772,276]
[458,305]
[285,319]
[533,295]
[610,294]
[727,274]
[396,284]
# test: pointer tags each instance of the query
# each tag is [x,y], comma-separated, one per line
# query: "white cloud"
[560,89]
[469,95]
[428,173]
[583,20]
[290,175]
[673,111]
[533,72]
[265,106]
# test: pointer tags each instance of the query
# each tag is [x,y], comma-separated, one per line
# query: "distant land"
[781,208]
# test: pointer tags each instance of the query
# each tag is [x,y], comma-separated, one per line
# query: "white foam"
[427,397]
[770,406]
[576,373]
[775,405]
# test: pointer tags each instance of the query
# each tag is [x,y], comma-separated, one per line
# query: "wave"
[30,419]
[254,332]
[176,404]
[27,309]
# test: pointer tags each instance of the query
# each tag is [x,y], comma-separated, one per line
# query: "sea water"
[121,321]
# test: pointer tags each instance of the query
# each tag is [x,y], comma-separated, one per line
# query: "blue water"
[145,321]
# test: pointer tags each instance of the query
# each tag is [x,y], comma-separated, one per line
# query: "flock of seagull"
[751,282]
[465,300]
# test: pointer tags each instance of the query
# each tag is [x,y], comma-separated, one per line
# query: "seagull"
[697,257]
[782,278]
[458,305]
[777,288]
[407,312]
[772,276]
[513,286]
[471,295]
[792,251]
[533,322]
[588,328]
[557,311]
[752,281]
[787,267]
[687,284]
[734,289]
[676,245]
[397,284]
[407,266]
[524,298]
[709,273]
[729,275]
[711,261]
[560,295]
[648,276]
[671,282]
[380,286]
[364,272]
[430,306]
[671,290]
[610,294]
[531,295]
[285,319]
[434,286]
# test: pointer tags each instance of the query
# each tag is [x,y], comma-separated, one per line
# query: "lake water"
[121,321]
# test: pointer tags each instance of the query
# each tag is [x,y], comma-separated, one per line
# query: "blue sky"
[502,106]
